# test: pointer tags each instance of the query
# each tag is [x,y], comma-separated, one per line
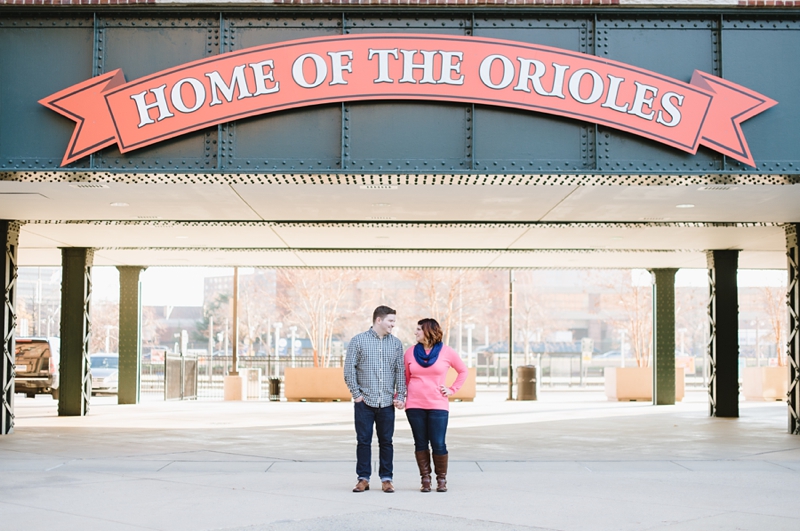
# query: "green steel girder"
[793,314]
[74,368]
[9,232]
[353,138]
[130,334]
[723,343]
[664,336]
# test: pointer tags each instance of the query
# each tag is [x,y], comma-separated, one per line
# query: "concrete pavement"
[571,461]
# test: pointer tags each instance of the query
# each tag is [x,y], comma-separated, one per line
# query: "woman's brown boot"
[424,464]
[440,464]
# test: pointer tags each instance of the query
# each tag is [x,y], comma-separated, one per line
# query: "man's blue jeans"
[383,419]
[428,426]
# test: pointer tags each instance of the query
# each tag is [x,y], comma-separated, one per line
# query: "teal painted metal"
[74,368]
[723,346]
[664,336]
[9,233]
[45,51]
[130,334]
[793,314]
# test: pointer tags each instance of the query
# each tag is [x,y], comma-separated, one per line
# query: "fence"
[558,370]
[555,371]
[211,372]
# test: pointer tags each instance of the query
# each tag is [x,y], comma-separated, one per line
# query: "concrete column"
[723,346]
[130,334]
[9,234]
[663,336]
[793,343]
[76,293]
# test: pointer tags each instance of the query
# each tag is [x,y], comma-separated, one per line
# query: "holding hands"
[399,404]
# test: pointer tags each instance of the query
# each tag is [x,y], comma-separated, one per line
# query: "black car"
[36,366]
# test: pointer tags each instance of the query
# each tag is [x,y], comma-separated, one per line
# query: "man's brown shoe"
[361,486]
[387,486]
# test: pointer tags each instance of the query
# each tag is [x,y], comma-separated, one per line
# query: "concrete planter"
[765,383]
[467,391]
[631,384]
[315,384]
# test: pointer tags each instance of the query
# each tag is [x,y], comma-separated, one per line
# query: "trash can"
[274,389]
[526,382]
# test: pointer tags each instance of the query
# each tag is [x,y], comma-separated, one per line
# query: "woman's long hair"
[432,330]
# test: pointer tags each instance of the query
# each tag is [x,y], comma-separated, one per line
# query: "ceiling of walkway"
[466,224]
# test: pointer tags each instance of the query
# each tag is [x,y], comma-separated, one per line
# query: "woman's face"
[419,335]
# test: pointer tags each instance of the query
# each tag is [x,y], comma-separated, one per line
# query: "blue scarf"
[426,360]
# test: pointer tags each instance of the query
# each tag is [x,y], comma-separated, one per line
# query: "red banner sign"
[707,111]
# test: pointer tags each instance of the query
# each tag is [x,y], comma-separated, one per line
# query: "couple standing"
[381,378]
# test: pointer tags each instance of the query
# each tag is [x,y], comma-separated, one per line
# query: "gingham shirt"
[373,368]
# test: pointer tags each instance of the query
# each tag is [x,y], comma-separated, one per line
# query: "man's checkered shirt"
[374,369]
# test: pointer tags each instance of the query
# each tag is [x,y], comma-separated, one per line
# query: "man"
[375,375]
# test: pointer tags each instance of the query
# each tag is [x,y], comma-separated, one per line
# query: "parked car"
[36,366]
[105,373]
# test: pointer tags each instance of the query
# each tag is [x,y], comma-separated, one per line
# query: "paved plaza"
[570,461]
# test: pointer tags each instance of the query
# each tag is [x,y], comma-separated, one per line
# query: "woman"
[427,404]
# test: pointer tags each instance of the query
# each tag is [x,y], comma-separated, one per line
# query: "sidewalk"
[571,461]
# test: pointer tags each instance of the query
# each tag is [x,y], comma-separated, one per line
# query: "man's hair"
[381,312]
[432,331]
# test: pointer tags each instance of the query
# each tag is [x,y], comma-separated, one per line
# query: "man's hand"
[399,404]
[359,399]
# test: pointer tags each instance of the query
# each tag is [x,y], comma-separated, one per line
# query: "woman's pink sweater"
[423,382]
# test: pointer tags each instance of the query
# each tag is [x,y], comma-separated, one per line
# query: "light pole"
[277,342]
[470,327]
[510,334]
[210,349]
[293,330]
[235,352]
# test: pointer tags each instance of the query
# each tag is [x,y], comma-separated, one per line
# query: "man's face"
[385,325]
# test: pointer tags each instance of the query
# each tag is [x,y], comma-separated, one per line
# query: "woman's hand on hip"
[445,391]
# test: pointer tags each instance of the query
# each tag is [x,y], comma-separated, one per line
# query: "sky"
[183,286]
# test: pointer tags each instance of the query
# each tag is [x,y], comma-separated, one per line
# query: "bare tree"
[105,325]
[773,300]
[152,327]
[314,298]
[257,309]
[530,310]
[633,313]
[447,295]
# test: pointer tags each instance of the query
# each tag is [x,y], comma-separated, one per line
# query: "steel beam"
[793,343]
[9,232]
[130,334]
[664,336]
[74,368]
[723,342]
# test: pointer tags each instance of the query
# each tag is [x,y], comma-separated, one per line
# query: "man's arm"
[350,360]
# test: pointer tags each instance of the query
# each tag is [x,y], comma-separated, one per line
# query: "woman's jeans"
[428,426]
[383,420]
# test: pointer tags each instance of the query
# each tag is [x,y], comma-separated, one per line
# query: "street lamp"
[293,330]
[470,327]
[278,327]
